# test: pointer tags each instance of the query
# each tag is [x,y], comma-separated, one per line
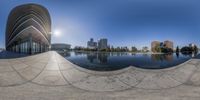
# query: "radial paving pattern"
[50,69]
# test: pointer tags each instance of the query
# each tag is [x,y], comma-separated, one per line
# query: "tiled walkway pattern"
[52,70]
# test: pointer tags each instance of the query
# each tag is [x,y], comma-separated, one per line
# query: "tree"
[166,50]
[177,49]
[133,49]
[157,48]
[112,49]
[186,50]
[195,49]
[145,49]
[118,49]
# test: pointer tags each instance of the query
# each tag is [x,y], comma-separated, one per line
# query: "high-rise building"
[155,45]
[91,44]
[192,45]
[168,44]
[102,44]
[28,29]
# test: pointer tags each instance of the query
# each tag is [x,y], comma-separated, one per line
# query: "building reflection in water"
[162,57]
[101,57]
[65,54]
[107,61]
[78,53]
[190,54]
[133,54]
[91,57]
[145,55]
[194,54]
[177,55]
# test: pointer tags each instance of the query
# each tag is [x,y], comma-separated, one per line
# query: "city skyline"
[92,44]
[123,23]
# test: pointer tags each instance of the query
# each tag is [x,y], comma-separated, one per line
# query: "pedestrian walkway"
[49,76]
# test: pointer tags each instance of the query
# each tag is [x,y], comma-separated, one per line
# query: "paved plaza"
[49,76]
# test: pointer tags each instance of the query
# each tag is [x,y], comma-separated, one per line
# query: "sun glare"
[57,33]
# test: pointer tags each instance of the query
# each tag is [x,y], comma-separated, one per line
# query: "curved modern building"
[60,47]
[28,29]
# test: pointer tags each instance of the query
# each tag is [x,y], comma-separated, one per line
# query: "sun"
[57,33]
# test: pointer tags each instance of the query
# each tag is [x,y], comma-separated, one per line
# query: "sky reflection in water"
[118,60]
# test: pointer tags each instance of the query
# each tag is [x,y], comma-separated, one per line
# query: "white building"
[192,45]
[91,44]
[102,44]
[60,47]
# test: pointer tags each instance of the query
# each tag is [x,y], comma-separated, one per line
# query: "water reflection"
[91,57]
[108,61]
[190,54]
[103,57]
[66,54]
[177,55]
[162,57]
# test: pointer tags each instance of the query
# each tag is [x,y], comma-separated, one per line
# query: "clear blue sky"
[123,22]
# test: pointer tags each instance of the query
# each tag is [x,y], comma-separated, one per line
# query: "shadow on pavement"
[10,55]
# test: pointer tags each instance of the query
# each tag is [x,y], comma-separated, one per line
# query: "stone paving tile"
[65,66]
[10,79]
[50,76]
[6,68]
[38,65]
[73,75]
[195,79]
[19,66]
[101,83]
[30,73]
[194,61]
[198,66]
[129,78]
[52,66]
[183,73]
[4,62]
[158,81]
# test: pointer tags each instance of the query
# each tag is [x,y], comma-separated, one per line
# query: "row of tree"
[187,49]
[112,49]
[184,50]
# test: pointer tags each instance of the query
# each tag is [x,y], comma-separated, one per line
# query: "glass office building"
[28,29]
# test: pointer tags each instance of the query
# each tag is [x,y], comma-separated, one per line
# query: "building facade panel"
[28,29]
